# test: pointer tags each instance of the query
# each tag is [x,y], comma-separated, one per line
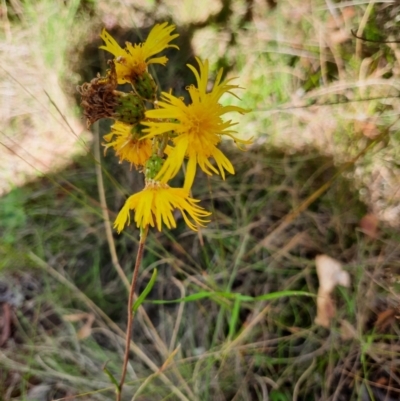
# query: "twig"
[179,314]
[104,209]
[139,257]
[5,335]
[372,40]
[302,378]
[361,28]
[155,374]
[6,21]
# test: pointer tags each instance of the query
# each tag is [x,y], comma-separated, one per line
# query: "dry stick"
[303,376]
[104,209]
[6,21]
[174,368]
[139,256]
[154,375]
[247,330]
[361,28]
[179,314]
[322,57]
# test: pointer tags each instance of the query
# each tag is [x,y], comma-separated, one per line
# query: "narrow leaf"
[193,297]
[145,292]
[112,379]
[234,318]
[281,294]
[234,296]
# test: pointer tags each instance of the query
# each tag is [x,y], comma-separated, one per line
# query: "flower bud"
[153,166]
[145,86]
[129,109]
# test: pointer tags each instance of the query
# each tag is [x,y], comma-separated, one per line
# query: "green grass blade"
[281,294]
[193,297]
[234,296]
[112,379]
[234,318]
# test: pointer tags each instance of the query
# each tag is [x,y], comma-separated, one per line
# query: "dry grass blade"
[137,351]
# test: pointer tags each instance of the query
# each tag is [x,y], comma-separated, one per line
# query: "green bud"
[153,166]
[130,108]
[145,86]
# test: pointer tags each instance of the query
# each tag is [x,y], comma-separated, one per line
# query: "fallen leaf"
[330,274]
[339,36]
[369,225]
[75,317]
[367,127]
[382,380]
[86,330]
[348,13]
[385,319]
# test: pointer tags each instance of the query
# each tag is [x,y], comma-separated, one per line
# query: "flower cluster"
[158,139]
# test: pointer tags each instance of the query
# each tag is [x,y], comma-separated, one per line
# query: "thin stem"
[104,209]
[139,257]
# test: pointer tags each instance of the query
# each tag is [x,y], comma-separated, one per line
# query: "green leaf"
[112,379]
[234,296]
[234,318]
[145,292]
[281,294]
[193,297]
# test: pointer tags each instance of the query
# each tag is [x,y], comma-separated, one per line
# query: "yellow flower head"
[198,127]
[126,142]
[132,61]
[155,205]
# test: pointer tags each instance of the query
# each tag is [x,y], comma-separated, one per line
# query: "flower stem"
[139,256]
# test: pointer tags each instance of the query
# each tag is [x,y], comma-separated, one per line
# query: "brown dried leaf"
[348,13]
[385,319]
[339,36]
[369,225]
[86,330]
[330,274]
[367,127]
[75,317]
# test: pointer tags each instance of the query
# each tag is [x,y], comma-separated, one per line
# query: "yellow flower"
[127,144]
[198,127]
[155,205]
[132,61]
